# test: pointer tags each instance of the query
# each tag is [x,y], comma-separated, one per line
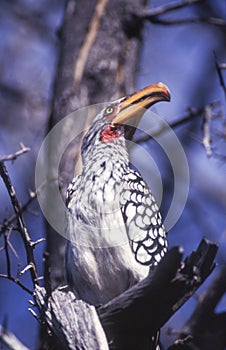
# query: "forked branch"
[21,227]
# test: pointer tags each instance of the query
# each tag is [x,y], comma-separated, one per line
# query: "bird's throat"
[110,133]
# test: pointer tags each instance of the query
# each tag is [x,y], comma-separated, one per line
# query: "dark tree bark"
[205,329]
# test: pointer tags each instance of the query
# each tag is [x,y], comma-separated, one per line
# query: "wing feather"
[143,220]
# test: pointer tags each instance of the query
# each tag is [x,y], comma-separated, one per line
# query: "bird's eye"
[109,110]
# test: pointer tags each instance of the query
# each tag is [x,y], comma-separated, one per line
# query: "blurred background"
[182,56]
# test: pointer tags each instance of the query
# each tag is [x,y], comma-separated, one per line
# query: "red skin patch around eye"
[109,133]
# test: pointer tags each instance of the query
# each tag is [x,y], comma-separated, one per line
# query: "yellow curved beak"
[136,104]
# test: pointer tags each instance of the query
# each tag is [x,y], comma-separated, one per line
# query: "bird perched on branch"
[114,228]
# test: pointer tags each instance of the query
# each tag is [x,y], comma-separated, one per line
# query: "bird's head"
[120,118]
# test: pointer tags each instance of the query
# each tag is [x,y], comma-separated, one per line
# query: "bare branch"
[40,240]
[208,20]
[219,67]
[34,314]
[182,344]
[13,156]
[27,268]
[205,327]
[154,15]
[6,248]
[13,217]
[12,248]
[161,10]
[206,141]
[17,281]
[207,302]
[10,244]
[28,244]
[192,114]
[154,300]
[8,339]
[75,322]
[188,117]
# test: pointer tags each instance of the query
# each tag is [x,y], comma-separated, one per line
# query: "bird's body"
[114,226]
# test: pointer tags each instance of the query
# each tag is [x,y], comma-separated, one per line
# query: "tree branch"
[208,20]
[8,339]
[207,302]
[17,281]
[188,117]
[152,301]
[28,244]
[206,140]
[13,156]
[155,299]
[13,217]
[206,329]
[161,10]
[154,15]
[74,322]
[191,114]
[219,67]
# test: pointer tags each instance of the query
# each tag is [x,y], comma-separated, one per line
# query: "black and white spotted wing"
[143,220]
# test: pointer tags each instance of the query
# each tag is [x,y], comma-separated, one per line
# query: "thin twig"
[154,15]
[12,218]
[219,67]
[208,20]
[17,281]
[40,240]
[192,114]
[34,314]
[8,262]
[11,246]
[206,141]
[10,340]
[23,149]
[10,229]
[28,267]
[20,223]
[161,10]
